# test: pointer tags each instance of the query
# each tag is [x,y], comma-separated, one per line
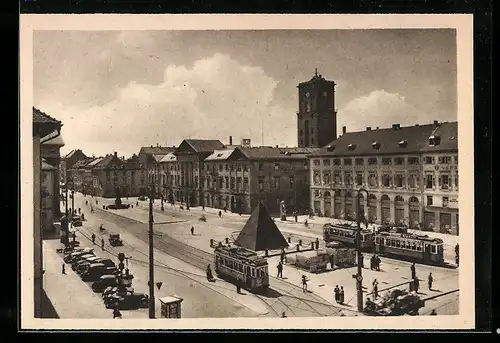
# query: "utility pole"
[151,259]
[359,275]
[66,213]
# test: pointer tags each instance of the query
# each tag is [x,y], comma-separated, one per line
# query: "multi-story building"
[169,176]
[150,158]
[68,161]
[52,158]
[410,173]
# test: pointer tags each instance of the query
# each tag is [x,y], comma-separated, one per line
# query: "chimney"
[344,130]
[368,128]
[395,126]
[377,127]
[230,140]
[436,122]
[277,145]
[116,154]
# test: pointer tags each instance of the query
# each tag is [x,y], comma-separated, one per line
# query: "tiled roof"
[157,150]
[168,158]
[95,162]
[83,163]
[274,153]
[205,145]
[402,140]
[40,117]
[220,155]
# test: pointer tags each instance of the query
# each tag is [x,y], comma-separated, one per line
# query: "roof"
[399,140]
[73,152]
[260,232]
[83,163]
[168,158]
[133,162]
[43,124]
[220,155]
[274,153]
[162,150]
[158,157]
[53,138]
[40,117]
[96,161]
[205,145]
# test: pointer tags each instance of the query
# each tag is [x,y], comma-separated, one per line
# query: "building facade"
[410,173]
[316,117]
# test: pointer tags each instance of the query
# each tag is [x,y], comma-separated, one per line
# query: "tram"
[421,248]
[347,234]
[241,267]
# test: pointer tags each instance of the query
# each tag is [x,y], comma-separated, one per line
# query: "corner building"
[411,174]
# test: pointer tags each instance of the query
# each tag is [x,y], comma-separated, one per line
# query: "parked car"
[96,270]
[69,258]
[77,260]
[76,221]
[130,301]
[80,266]
[115,240]
[104,282]
[113,290]
[142,198]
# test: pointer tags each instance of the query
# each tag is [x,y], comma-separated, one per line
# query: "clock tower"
[316,118]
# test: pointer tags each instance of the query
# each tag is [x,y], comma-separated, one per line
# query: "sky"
[120,90]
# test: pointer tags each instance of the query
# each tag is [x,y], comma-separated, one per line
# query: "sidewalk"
[70,296]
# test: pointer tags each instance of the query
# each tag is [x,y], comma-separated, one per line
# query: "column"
[379,210]
[437,221]
[393,210]
[342,206]
[365,201]
[407,210]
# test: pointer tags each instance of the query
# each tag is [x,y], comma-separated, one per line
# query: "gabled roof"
[220,155]
[203,145]
[43,124]
[73,152]
[396,140]
[85,163]
[260,232]
[275,153]
[168,158]
[162,150]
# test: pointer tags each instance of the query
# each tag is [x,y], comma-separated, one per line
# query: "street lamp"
[359,276]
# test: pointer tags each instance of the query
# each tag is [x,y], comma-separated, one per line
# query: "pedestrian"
[192,230]
[362,260]
[210,277]
[91,209]
[304,283]
[416,284]
[280,270]
[375,289]
[295,215]
[430,280]
[225,209]
[433,313]
[283,315]
[413,272]
[83,217]
[220,213]
[93,238]
[238,289]
[378,261]
[372,262]
[341,295]
[96,202]
[79,210]
[102,244]
[74,236]
[317,243]
[336,291]
[203,207]
[332,262]
[137,203]
[86,202]
[63,269]
[117,313]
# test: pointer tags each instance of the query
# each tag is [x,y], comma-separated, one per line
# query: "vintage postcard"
[247,172]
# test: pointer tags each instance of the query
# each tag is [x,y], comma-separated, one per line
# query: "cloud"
[382,109]
[214,98]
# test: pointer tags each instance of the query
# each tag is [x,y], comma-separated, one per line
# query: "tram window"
[398,244]
[413,246]
[377,240]
[440,249]
[247,271]
[230,264]
[224,262]
[240,267]
[419,247]
[433,249]
[253,272]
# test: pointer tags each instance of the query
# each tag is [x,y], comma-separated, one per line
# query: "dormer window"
[351,146]
[376,145]
[434,140]
[330,147]
[219,155]
[403,143]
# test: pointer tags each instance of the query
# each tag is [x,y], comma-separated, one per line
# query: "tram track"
[200,259]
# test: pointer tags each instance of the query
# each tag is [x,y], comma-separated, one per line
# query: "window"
[261,183]
[413,160]
[445,181]
[292,181]
[261,166]
[226,179]
[276,166]
[220,167]
[226,167]
[347,161]
[359,161]
[317,178]
[277,182]
[245,167]
[399,180]
[336,162]
[444,159]
[238,183]
[312,140]
[428,160]
[359,179]
[316,193]
[316,163]
[386,160]
[372,161]
[348,178]
[238,167]
[326,162]
[232,183]
[221,181]
[399,161]
[336,178]
[429,200]
[445,201]
[429,181]
[386,180]
[326,178]
[412,181]
[372,179]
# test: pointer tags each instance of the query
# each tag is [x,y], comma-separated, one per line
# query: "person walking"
[413,272]
[192,230]
[430,280]
[210,277]
[304,283]
[74,236]
[63,269]
[93,238]
[102,244]
[372,262]
[375,289]
[433,313]
[117,313]
[377,262]
[220,213]
[336,291]
[362,260]
[317,243]
[280,270]
[341,295]
[283,315]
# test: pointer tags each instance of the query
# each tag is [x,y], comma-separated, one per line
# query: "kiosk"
[171,307]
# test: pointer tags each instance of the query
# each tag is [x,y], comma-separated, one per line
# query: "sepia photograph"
[247,171]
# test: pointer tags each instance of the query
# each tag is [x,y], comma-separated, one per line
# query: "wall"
[37,238]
